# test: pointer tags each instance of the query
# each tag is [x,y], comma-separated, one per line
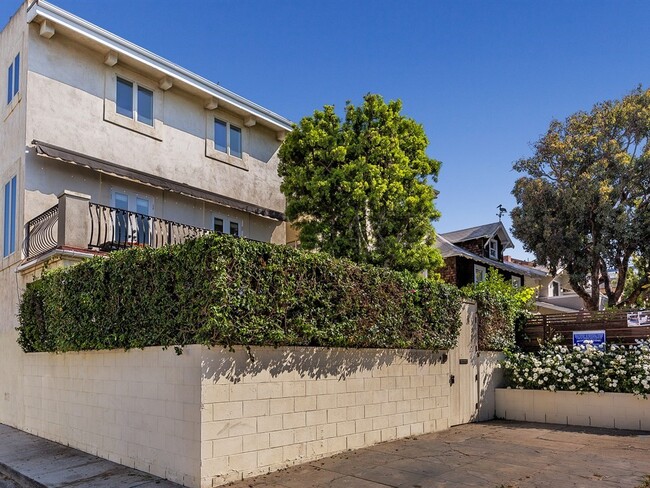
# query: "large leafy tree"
[359,188]
[584,202]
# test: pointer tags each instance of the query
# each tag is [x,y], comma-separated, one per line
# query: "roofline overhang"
[45,10]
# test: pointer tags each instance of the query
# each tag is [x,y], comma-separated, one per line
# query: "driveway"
[492,454]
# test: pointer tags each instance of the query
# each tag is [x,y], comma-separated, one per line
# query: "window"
[493,249]
[555,289]
[9,222]
[227,226]
[13,79]
[132,224]
[516,281]
[227,138]
[479,273]
[134,101]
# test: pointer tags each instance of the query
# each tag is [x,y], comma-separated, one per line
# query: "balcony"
[76,225]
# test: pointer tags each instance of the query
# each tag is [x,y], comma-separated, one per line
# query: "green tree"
[584,202]
[359,188]
[502,310]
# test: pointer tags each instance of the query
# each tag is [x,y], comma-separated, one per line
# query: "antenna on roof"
[502,211]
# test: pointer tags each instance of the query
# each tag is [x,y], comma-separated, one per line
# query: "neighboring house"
[469,253]
[554,292]
[106,145]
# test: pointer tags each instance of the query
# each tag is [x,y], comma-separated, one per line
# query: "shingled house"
[469,253]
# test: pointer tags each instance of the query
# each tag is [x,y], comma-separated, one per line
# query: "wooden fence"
[540,328]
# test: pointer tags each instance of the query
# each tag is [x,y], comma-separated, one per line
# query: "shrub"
[219,290]
[585,368]
[501,309]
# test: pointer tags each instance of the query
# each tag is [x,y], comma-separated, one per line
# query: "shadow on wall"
[312,362]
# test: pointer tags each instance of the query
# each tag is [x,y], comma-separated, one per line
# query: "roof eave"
[57,15]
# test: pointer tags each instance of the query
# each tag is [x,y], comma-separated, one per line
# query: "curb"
[18,477]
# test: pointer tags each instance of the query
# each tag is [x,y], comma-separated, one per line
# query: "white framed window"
[516,281]
[134,102]
[131,224]
[226,139]
[9,220]
[13,79]
[227,225]
[479,273]
[493,249]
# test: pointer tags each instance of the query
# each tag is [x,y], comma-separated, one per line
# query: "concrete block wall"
[210,416]
[609,410]
[293,405]
[139,408]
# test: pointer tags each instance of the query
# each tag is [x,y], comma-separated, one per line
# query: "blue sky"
[483,78]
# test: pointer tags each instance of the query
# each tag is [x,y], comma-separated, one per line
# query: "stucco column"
[74,220]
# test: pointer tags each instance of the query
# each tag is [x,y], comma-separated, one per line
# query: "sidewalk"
[34,462]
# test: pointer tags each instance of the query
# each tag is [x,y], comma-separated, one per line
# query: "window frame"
[227,222]
[10,216]
[516,281]
[13,79]
[211,151]
[111,113]
[134,227]
[15,88]
[496,249]
[552,287]
[478,270]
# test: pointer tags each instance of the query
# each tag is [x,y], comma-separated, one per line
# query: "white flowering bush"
[585,368]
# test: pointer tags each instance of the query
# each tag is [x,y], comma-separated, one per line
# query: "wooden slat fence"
[540,328]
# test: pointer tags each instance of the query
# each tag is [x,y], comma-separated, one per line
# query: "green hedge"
[219,290]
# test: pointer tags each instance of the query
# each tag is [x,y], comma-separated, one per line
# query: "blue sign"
[596,338]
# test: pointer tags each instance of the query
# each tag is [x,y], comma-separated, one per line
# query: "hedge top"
[220,290]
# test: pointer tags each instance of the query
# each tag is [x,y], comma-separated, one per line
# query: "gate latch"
[452,379]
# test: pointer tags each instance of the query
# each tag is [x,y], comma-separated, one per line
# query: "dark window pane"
[142,207]
[220,135]
[5,226]
[235,142]
[124,98]
[218,225]
[12,218]
[16,73]
[234,229]
[121,218]
[145,106]
[10,81]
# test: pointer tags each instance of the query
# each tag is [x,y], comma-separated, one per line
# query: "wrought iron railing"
[113,228]
[41,233]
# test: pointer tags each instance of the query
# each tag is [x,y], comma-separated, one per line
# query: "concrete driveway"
[492,454]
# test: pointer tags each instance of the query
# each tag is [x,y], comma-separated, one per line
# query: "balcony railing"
[113,228]
[41,233]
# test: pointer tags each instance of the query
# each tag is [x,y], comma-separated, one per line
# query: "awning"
[67,156]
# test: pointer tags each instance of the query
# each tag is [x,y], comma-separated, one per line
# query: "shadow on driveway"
[495,454]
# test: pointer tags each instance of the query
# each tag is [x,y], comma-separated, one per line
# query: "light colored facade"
[554,293]
[176,147]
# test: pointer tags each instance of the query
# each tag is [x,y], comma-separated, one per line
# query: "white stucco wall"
[67,88]
[12,148]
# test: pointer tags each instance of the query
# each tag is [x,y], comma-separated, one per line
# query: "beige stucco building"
[106,145]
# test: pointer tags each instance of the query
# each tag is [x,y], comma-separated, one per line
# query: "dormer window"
[493,249]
